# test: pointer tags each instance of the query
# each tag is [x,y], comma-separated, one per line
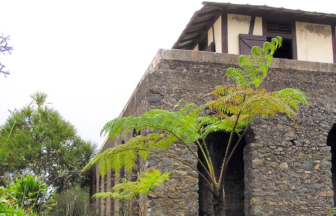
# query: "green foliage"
[38,138]
[73,201]
[126,155]
[332,212]
[28,192]
[253,68]
[7,208]
[128,190]
[183,122]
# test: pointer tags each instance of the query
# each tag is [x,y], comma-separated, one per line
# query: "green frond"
[292,97]
[181,123]
[254,67]
[127,189]
[125,156]
[265,104]
[103,195]
[219,125]
[238,76]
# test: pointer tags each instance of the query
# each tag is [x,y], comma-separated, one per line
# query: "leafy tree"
[235,107]
[39,139]
[4,48]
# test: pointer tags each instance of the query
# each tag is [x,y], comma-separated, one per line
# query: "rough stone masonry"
[286,166]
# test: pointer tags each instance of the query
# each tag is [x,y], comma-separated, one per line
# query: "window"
[273,28]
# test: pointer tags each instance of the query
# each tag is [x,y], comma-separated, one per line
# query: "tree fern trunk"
[219,202]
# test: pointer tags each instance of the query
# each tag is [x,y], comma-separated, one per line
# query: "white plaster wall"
[237,24]
[258,30]
[314,42]
[218,34]
[196,48]
[210,38]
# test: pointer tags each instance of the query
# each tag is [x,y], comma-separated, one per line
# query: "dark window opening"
[331,141]
[285,51]
[234,175]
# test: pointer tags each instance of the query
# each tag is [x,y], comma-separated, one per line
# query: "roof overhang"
[203,19]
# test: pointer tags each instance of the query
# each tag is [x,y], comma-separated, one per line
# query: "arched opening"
[234,175]
[331,141]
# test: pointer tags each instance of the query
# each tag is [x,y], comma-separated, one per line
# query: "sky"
[88,56]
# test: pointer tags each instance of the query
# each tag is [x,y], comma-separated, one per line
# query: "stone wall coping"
[224,58]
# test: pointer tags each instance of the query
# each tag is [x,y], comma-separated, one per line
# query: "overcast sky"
[88,56]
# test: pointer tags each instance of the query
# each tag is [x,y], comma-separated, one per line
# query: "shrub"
[27,191]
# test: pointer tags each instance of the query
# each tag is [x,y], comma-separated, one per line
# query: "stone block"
[308,165]
[257,163]
[325,165]
[302,156]
[156,194]
[284,165]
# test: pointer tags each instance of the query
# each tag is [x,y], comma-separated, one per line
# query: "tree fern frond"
[292,97]
[128,159]
[254,64]
[125,156]
[221,125]
[104,195]
[265,104]
[127,189]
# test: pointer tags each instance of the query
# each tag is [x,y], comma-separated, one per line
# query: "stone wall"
[286,164]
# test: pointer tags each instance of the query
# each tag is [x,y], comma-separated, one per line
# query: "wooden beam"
[184,45]
[333,35]
[209,13]
[192,38]
[294,42]
[231,7]
[251,25]
[200,29]
[201,37]
[224,32]
[252,10]
[202,22]
[276,12]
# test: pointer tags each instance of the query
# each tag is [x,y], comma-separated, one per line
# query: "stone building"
[282,167]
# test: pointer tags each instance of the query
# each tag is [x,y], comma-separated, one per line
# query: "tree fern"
[232,110]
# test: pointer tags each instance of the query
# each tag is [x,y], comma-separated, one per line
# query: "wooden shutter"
[246,42]
[278,27]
